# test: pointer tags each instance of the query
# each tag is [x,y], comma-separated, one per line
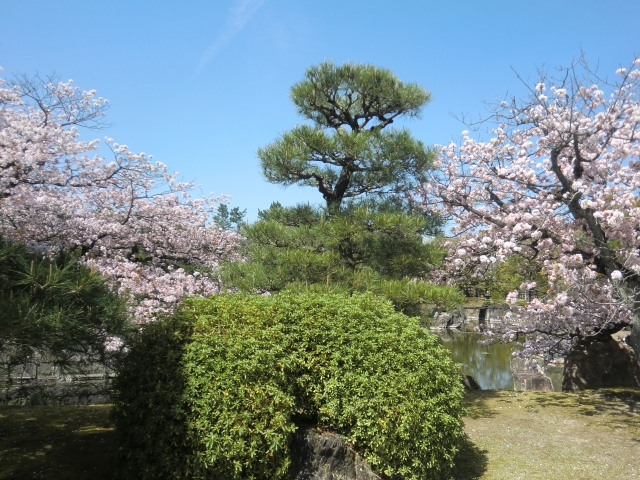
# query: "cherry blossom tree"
[557,184]
[128,217]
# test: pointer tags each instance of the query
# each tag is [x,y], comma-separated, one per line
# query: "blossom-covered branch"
[558,184]
[128,217]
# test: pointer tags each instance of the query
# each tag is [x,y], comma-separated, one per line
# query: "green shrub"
[55,308]
[217,390]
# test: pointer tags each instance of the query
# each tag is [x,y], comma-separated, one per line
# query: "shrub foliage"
[217,390]
[369,246]
[55,308]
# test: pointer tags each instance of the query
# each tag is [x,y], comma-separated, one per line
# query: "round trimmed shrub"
[217,390]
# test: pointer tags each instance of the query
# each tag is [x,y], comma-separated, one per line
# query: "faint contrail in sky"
[240,14]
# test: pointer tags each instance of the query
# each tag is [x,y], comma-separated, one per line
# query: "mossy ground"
[56,443]
[510,435]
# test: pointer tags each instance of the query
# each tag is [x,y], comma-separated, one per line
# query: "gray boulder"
[529,377]
[601,365]
[470,383]
[318,455]
[454,319]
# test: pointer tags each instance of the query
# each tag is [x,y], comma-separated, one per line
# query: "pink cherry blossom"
[128,217]
[559,184]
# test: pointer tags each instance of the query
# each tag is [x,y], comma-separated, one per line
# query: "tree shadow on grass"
[476,405]
[615,408]
[471,462]
[61,443]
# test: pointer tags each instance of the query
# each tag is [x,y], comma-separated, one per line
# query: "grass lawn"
[535,435]
[510,435]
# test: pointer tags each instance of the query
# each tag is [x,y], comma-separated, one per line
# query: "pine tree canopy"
[56,308]
[348,151]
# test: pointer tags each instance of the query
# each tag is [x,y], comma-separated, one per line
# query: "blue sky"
[202,85]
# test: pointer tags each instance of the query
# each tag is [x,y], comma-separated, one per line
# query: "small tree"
[558,185]
[228,219]
[349,151]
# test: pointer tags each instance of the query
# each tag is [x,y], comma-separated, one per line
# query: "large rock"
[454,319]
[325,456]
[470,383]
[600,365]
[528,376]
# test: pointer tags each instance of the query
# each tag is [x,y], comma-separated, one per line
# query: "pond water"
[488,364]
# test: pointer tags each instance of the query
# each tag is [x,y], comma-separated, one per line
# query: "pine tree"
[368,236]
[350,150]
[56,308]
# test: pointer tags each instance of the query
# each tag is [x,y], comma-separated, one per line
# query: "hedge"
[216,390]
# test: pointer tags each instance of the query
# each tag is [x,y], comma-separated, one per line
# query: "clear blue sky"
[202,85]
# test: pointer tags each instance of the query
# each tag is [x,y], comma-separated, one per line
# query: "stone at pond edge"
[325,456]
[528,379]
[601,365]
[470,383]
[455,319]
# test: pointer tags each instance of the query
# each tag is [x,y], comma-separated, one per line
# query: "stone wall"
[468,316]
[40,381]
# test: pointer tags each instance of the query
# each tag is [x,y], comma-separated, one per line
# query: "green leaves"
[56,308]
[378,162]
[366,248]
[221,396]
[148,404]
[354,95]
[347,153]
[228,219]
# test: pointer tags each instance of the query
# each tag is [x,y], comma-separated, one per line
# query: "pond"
[488,364]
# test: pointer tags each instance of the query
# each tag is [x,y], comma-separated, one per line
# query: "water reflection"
[488,364]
